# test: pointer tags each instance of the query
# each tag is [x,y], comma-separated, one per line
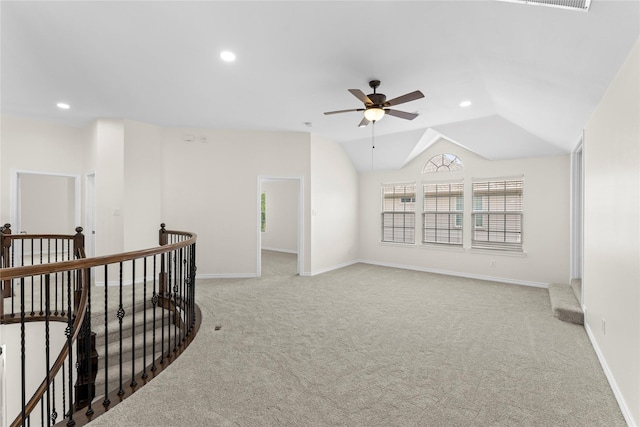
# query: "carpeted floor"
[375,346]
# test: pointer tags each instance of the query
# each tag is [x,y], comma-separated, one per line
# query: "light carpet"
[373,346]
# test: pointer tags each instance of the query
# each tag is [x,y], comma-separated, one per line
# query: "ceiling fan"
[375,104]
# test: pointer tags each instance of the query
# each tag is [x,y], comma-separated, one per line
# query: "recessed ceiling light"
[465,103]
[227,56]
[63,106]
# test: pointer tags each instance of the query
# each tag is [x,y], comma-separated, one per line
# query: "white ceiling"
[534,74]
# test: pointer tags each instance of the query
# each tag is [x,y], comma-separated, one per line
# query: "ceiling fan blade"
[401,114]
[404,98]
[361,96]
[363,123]
[343,111]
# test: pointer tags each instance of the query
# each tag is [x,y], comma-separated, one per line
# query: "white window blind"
[497,214]
[442,213]
[398,213]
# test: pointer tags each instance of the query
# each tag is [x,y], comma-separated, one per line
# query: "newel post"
[78,251]
[162,237]
[5,261]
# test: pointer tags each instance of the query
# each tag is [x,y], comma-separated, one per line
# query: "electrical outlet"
[604,326]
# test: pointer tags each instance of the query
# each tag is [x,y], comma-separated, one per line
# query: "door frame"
[300,248]
[576,209]
[90,214]
[15,195]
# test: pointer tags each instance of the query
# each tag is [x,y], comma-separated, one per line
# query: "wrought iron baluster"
[176,278]
[120,315]
[162,295]
[86,275]
[106,401]
[47,316]
[23,356]
[144,318]
[32,279]
[69,332]
[133,382]
[154,302]
[56,278]
[41,277]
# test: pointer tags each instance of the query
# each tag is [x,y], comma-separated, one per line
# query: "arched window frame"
[444,162]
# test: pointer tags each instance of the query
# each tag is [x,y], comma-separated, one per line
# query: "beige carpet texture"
[374,346]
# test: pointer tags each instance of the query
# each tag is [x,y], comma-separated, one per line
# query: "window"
[398,213]
[443,163]
[442,213]
[497,214]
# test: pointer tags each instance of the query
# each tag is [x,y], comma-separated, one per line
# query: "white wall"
[281,207]
[334,206]
[110,203]
[546,220]
[142,192]
[32,145]
[211,188]
[47,204]
[611,276]
[35,362]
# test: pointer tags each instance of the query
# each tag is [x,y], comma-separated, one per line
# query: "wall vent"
[582,5]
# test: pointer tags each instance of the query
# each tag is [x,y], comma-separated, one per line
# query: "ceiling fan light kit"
[375,104]
[374,114]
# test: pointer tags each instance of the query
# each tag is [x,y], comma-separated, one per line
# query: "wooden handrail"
[81,268]
[32,270]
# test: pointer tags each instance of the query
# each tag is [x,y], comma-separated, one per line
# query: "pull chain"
[373,141]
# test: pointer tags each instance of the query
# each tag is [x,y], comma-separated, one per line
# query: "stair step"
[564,304]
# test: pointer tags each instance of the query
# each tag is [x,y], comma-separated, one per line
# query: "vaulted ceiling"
[533,74]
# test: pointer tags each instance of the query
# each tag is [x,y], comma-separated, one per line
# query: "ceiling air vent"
[564,4]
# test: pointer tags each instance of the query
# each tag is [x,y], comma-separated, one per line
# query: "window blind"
[443,207]
[497,214]
[398,213]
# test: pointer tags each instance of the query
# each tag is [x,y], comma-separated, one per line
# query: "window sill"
[408,245]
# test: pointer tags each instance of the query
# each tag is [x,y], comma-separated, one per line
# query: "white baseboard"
[328,269]
[459,274]
[612,382]
[226,276]
[127,282]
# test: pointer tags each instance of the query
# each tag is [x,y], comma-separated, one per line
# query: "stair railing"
[146,296]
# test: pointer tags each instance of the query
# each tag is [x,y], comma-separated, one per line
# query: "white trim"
[226,276]
[128,282]
[610,378]
[328,269]
[459,274]
[576,211]
[300,249]
[14,195]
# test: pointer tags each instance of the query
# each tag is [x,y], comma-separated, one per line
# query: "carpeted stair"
[565,301]
[129,342]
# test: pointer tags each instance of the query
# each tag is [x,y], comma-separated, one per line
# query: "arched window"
[443,163]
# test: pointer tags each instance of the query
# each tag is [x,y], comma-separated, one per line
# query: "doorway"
[279,223]
[577,177]
[45,202]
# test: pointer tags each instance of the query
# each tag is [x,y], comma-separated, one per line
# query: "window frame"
[404,231]
[453,198]
[498,214]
